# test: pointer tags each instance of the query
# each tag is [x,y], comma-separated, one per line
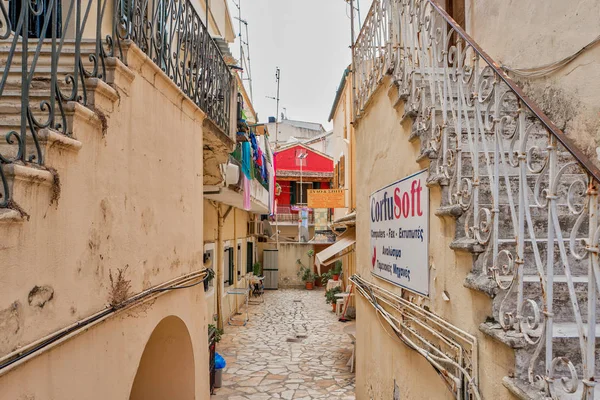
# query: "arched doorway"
[166,370]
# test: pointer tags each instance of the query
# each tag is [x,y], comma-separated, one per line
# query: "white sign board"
[399,216]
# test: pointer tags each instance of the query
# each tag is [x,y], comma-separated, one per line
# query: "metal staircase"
[524,198]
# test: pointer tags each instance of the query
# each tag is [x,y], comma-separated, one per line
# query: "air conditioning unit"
[255,228]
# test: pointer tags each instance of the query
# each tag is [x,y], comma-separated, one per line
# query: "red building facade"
[297,169]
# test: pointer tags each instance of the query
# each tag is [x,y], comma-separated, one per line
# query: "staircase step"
[525,391]
[539,217]
[565,344]
[563,310]
[529,267]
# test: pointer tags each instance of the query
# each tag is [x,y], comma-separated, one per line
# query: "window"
[208,263]
[228,266]
[231,266]
[301,158]
[302,192]
[249,257]
[239,261]
[342,172]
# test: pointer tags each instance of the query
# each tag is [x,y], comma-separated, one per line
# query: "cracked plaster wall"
[524,34]
[129,197]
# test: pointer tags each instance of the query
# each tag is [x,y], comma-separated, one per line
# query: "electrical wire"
[550,68]
[366,290]
[90,320]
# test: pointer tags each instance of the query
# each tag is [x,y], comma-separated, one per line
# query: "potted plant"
[330,296]
[325,277]
[307,276]
[218,332]
[336,270]
[210,275]
[317,281]
[256,268]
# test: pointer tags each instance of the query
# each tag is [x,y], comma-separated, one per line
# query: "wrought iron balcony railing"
[524,193]
[49,49]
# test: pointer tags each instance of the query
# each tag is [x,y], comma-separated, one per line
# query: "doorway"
[166,369]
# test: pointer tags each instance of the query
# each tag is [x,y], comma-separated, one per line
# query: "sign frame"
[425,237]
[323,201]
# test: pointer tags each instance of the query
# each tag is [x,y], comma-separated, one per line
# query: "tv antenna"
[244,55]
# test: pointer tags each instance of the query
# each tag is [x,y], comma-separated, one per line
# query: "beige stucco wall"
[131,196]
[343,144]
[385,157]
[524,34]
[221,24]
[235,232]
[288,267]
[102,363]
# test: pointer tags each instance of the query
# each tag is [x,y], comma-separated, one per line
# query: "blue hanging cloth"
[246,160]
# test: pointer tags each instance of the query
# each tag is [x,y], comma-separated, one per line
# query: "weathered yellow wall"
[386,156]
[102,363]
[131,197]
[541,33]
[235,231]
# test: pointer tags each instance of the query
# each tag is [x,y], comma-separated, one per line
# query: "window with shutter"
[249,257]
[292,192]
[335,176]
[342,172]
[231,266]
[226,269]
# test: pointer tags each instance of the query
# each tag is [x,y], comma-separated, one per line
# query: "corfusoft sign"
[399,216]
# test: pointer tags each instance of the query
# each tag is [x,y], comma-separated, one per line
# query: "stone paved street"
[263,364]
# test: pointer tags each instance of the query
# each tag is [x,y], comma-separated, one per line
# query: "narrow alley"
[293,347]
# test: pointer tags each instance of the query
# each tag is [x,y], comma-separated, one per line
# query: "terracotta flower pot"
[336,277]
[333,306]
[309,285]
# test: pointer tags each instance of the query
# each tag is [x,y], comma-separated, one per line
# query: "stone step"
[539,217]
[565,343]
[466,159]
[523,390]
[577,267]
[66,55]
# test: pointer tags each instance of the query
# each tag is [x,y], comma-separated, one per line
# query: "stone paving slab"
[262,363]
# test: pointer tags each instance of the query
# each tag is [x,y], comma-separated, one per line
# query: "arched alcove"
[166,370]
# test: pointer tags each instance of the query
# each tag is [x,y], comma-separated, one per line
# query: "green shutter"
[249,256]
[293,192]
[231,266]
[316,185]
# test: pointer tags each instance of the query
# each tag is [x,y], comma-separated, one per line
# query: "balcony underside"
[232,197]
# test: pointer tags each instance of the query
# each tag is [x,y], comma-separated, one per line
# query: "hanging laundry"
[260,158]
[246,185]
[246,160]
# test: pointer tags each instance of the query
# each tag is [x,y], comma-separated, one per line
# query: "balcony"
[232,191]
[54,58]
[290,215]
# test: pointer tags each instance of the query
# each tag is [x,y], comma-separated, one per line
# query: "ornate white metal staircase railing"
[525,198]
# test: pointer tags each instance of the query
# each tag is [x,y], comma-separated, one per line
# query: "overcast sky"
[309,41]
